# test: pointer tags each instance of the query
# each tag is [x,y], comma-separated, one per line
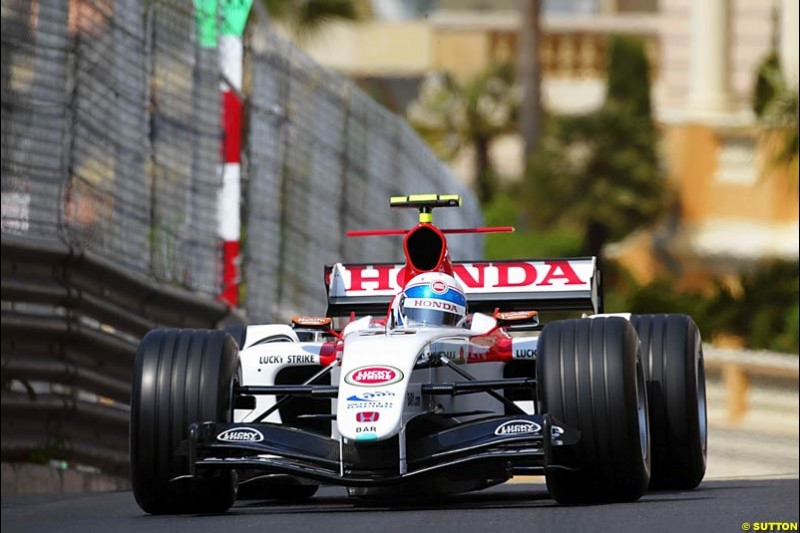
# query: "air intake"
[425,247]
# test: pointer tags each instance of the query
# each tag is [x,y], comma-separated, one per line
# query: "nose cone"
[375,373]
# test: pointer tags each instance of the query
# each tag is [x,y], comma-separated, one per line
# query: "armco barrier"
[70,324]
[738,367]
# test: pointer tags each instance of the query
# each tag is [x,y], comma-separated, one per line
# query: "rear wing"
[551,284]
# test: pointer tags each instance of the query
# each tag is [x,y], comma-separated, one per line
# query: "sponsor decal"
[311,321]
[514,315]
[478,352]
[301,359]
[242,434]
[270,360]
[452,355]
[438,286]
[370,396]
[527,353]
[439,305]
[373,277]
[366,429]
[413,400]
[370,405]
[479,277]
[370,376]
[367,416]
[517,427]
[450,294]
[370,400]
[556,432]
[479,356]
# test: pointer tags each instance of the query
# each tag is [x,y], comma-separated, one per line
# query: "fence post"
[231,51]
[737,385]
[48,121]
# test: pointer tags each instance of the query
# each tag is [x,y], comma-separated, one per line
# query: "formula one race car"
[427,387]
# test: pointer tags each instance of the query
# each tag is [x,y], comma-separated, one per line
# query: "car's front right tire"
[590,377]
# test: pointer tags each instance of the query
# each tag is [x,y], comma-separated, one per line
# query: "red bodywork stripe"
[393,231]
[499,343]
[500,351]
[375,232]
[488,229]
[329,351]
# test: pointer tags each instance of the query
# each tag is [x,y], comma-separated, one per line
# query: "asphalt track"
[715,506]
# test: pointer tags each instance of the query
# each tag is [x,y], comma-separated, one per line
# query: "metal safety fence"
[111,170]
[325,158]
[110,132]
[111,142]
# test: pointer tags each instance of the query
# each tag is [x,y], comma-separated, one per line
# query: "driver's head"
[432,299]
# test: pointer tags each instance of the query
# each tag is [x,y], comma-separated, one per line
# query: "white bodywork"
[379,390]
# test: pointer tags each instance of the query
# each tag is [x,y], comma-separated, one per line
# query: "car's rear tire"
[180,377]
[672,354]
[239,334]
[590,378]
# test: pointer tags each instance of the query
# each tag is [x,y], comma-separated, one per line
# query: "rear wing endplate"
[544,284]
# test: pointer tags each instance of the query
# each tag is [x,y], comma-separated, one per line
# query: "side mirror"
[312,328]
[517,320]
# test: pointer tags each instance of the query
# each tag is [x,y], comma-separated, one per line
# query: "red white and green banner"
[220,23]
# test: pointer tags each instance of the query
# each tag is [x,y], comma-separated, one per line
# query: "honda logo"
[367,416]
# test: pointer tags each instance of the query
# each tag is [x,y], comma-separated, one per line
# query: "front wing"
[517,441]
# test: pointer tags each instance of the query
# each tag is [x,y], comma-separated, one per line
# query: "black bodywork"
[435,445]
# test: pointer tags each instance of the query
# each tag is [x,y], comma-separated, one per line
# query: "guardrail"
[71,321]
[737,369]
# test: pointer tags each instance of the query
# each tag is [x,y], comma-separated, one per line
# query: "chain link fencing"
[325,158]
[111,143]
[110,134]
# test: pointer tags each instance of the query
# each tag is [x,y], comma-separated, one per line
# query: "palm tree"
[530,76]
[775,104]
[600,171]
[450,116]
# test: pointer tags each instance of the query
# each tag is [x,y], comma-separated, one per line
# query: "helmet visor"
[430,317]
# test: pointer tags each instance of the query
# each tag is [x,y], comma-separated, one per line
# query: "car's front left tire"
[180,377]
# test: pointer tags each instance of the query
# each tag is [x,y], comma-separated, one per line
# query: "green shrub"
[600,172]
[764,311]
[629,74]
[526,242]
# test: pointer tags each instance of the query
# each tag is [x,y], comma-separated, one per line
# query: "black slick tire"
[239,334]
[672,355]
[590,378]
[180,377]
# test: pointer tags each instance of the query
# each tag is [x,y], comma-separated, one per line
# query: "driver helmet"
[431,299]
